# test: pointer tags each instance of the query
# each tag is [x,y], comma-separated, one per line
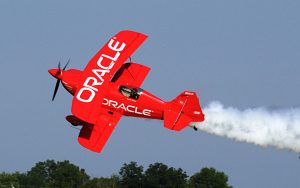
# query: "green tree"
[101,182]
[9,180]
[55,174]
[22,179]
[68,175]
[63,174]
[131,175]
[209,178]
[160,175]
[41,174]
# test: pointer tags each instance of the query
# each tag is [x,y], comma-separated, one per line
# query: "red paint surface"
[99,103]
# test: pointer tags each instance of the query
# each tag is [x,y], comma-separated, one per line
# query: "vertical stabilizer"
[183,110]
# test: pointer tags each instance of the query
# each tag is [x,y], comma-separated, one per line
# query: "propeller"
[58,73]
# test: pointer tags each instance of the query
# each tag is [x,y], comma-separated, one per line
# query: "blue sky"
[241,53]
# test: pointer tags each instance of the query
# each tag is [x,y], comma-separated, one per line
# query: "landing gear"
[75,121]
[195,128]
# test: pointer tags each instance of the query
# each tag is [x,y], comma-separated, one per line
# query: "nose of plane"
[56,73]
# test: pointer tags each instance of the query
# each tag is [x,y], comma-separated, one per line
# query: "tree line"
[63,174]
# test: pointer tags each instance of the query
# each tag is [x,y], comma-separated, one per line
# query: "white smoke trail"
[279,128]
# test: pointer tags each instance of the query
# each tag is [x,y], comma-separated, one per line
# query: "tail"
[183,110]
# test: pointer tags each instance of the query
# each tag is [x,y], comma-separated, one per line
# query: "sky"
[241,53]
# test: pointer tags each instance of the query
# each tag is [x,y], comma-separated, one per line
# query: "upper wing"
[94,136]
[131,74]
[100,70]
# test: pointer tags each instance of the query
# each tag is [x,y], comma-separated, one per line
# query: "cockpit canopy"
[133,93]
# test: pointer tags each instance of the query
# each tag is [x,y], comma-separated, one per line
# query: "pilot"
[134,93]
[131,93]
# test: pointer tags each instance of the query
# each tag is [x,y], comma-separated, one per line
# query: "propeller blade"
[59,72]
[56,89]
[66,64]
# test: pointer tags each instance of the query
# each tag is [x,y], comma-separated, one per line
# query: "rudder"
[183,110]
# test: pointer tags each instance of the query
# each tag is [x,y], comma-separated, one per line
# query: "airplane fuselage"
[145,106]
[109,88]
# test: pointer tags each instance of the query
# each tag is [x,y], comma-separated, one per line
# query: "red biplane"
[109,88]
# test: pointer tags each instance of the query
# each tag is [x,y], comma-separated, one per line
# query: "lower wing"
[94,136]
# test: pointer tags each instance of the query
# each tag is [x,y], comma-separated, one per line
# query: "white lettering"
[147,112]
[122,106]
[100,76]
[115,47]
[137,112]
[105,102]
[103,67]
[112,58]
[92,95]
[95,83]
[113,103]
[91,84]
[129,108]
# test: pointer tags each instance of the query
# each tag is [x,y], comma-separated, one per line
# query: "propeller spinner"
[58,74]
